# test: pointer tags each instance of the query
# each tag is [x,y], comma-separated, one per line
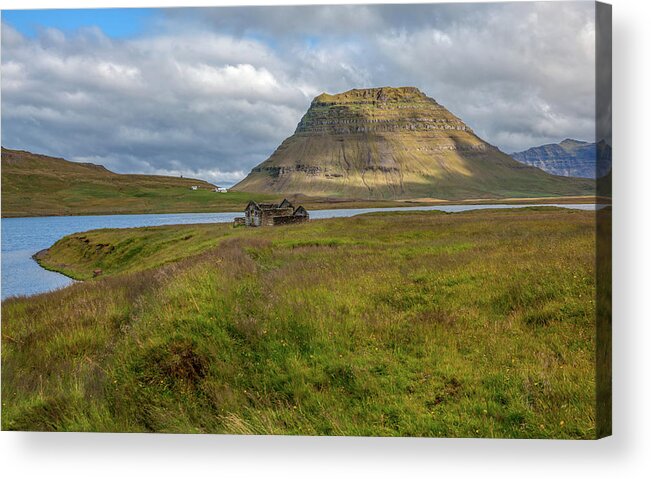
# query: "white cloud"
[214,91]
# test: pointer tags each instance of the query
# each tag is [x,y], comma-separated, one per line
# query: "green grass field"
[476,324]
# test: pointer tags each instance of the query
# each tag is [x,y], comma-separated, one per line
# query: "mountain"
[39,185]
[396,143]
[569,158]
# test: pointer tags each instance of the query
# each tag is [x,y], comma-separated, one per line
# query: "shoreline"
[41,256]
[333,204]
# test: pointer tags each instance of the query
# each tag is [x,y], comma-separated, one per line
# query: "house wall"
[253,217]
[267,218]
[285,220]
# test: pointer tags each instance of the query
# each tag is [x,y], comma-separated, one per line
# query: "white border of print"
[625,454]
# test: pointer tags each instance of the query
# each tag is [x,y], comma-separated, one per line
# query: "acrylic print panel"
[373,220]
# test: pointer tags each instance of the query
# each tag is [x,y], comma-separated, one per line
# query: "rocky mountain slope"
[569,158]
[396,143]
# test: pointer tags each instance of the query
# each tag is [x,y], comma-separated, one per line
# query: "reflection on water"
[22,237]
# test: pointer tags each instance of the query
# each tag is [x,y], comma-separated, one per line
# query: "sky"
[211,92]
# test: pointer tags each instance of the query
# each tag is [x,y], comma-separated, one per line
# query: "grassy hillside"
[473,324]
[38,185]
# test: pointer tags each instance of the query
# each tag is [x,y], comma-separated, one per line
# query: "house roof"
[300,210]
[268,206]
[252,204]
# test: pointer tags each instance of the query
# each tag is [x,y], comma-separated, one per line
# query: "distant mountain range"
[569,158]
[386,143]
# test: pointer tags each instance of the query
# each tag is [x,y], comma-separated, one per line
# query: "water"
[22,237]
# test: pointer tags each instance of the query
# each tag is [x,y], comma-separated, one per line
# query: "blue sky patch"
[114,22]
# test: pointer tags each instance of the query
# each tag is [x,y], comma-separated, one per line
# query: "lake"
[22,237]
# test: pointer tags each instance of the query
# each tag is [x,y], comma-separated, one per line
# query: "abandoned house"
[270,214]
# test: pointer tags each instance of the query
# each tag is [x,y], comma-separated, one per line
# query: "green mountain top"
[405,93]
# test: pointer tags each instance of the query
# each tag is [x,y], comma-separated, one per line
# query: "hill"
[39,185]
[396,143]
[569,158]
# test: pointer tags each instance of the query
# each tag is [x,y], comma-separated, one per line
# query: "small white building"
[194,188]
[219,189]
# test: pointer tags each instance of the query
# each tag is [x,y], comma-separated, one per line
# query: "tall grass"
[478,324]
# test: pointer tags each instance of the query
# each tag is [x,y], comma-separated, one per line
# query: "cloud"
[151,105]
[212,92]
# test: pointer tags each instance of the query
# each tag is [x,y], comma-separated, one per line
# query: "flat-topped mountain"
[569,158]
[395,143]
